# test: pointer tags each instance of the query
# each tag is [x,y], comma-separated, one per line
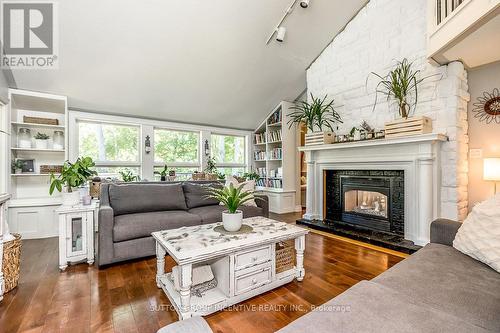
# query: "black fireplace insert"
[371,199]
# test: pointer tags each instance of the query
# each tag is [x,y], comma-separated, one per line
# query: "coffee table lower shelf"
[215,299]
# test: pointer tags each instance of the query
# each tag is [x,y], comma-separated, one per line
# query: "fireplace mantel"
[422,138]
[418,156]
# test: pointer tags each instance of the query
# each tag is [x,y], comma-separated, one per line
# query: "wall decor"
[28,165]
[487,107]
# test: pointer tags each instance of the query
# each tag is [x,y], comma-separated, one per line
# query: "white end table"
[76,233]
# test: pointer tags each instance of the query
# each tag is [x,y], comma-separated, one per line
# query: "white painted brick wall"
[383,32]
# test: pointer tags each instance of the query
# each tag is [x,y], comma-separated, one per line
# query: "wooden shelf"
[18,124]
[275,142]
[259,144]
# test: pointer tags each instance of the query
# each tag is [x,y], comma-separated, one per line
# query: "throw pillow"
[479,235]
[248,186]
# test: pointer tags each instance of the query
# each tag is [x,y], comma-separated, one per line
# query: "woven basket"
[11,262]
[95,189]
[285,257]
[211,176]
[198,176]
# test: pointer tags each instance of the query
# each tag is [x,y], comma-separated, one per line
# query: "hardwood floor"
[124,298]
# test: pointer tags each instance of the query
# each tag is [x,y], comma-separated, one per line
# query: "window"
[227,149]
[176,147]
[113,147]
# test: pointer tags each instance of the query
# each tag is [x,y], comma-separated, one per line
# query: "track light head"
[280,34]
[304,3]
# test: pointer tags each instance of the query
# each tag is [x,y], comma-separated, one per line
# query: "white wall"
[383,32]
[482,136]
[4,93]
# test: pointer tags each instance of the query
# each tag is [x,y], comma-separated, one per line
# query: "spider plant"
[398,85]
[316,115]
[230,196]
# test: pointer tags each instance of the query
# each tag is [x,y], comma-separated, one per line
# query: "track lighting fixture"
[280,34]
[304,3]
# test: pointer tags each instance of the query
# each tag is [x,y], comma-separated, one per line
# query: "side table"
[76,233]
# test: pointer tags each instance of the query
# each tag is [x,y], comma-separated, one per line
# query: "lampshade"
[491,169]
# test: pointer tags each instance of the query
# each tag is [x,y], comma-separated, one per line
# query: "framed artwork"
[28,165]
[487,107]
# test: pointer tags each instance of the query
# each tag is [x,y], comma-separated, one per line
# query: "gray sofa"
[437,289]
[130,212]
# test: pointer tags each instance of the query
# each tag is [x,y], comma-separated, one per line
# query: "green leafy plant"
[252,175]
[221,176]
[17,164]
[164,172]
[316,115]
[399,85]
[41,136]
[128,176]
[211,165]
[230,196]
[73,175]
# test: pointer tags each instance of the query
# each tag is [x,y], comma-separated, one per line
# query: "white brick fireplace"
[383,32]
[418,156]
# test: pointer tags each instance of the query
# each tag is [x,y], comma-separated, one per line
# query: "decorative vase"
[232,222]
[41,144]
[70,198]
[163,178]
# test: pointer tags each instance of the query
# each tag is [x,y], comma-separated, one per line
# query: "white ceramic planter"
[70,198]
[232,222]
[41,144]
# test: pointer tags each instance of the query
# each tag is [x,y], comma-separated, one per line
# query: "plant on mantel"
[399,85]
[317,115]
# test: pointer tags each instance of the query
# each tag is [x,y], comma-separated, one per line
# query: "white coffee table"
[243,264]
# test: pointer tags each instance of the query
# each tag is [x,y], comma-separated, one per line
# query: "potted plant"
[231,197]
[211,169]
[319,116]
[17,166]
[252,175]
[41,141]
[73,176]
[163,173]
[400,85]
[128,176]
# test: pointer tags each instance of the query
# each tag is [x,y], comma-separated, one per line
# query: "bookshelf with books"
[275,154]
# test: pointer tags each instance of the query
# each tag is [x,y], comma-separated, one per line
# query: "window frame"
[116,164]
[146,162]
[245,163]
[197,164]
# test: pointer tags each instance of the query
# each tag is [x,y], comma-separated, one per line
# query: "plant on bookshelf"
[73,175]
[41,141]
[17,166]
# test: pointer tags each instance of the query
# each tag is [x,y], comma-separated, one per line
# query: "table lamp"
[491,170]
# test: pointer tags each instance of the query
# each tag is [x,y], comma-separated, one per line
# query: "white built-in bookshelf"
[275,151]
[31,207]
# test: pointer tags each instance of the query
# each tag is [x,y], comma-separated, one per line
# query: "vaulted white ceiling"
[194,61]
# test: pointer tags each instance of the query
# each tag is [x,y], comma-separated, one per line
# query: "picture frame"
[28,165]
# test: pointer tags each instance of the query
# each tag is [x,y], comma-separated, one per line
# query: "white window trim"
[146,161]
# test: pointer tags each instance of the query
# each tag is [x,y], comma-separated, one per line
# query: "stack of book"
[275,118]
[260,138]
[274,136]
[259,155]
[276,154]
